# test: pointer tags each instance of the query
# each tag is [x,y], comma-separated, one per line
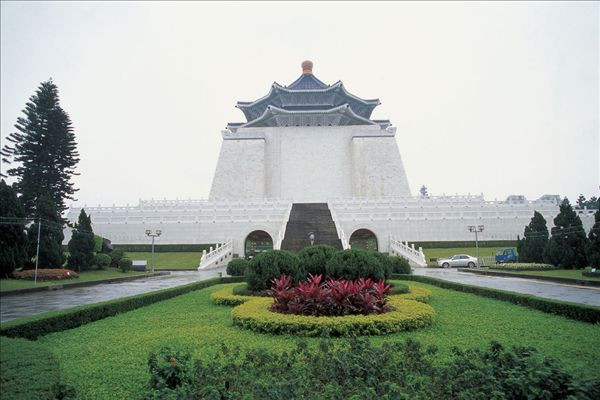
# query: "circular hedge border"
[254,314]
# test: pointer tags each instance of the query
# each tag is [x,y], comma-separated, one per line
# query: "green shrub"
[115,257]
[271,265]
[385,261]
[28,370]
[524,267]
[313,259]
[171,374]
[102,260]
[590,273]
[399,288]
[61,320]
[125,264]
[353,264]
[357,369]
[236,267]
[400,265]
[580,312]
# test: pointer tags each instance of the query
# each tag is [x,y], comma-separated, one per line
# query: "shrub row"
[57,321]
[43,274]
[357,369]
[226,297]
[523,267]
[163,248]
[351,264]
[255,315]
[589,272]
[575,311]
[28,370]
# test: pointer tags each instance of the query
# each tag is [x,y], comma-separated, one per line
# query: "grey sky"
[499,98]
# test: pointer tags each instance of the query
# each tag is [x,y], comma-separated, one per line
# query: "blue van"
[506,256]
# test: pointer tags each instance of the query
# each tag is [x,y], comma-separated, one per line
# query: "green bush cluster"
[353,264]
[270,265]
[41,379]
[255,314]
[102,260]
[237,266]
[125,264]
[115,257]
[575,311]
[357,369]
[524,267]
[58,321]
[314,258]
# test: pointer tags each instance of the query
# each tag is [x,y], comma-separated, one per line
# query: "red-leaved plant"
[334,297]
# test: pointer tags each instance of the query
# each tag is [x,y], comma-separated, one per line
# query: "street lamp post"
[152,235]
[476,229]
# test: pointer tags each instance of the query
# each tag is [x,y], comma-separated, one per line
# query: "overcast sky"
[493,98]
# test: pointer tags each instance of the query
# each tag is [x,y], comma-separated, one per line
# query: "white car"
[459,260]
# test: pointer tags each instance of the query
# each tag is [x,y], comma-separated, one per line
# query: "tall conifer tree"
[593,250]
[82,243]
[13,240]
[535,239]
[44,149]
[51,234]
[566,248]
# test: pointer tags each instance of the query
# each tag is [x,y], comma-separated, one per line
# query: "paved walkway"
[550,290]
[23,305]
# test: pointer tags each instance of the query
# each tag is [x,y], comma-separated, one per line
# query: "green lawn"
[561,273]
[171,260]
[107,359]
[472,251]
[86,276]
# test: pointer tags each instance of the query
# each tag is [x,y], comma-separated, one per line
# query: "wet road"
[17,306]
[550,290]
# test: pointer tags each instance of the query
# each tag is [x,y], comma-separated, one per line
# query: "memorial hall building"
[309,162]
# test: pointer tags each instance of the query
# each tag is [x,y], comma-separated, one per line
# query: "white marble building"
[310,142]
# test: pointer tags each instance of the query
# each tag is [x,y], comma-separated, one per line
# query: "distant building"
[309,159]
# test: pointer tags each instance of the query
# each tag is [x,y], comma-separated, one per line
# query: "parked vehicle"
[506,256]
[459,260]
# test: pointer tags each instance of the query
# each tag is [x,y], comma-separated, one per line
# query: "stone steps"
[306,218]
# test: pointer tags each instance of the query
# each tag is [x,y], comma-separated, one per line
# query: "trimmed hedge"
[465,243]
[590,273]
[352,264]
[255,315]
[28,370]
[523,267]
[102,260]
[163,248]
[313,259]
[575,311]
[237,266]
[270,265]
[226,297]
[61,320]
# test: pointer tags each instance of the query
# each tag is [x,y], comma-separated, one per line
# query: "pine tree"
[521,249]
[566,248]
[44,148]
[593,203]
[581,201]
[535,239]
[13,240]
[51,234]
[82,243]
[593,246]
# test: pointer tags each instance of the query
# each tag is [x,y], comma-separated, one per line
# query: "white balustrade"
[415,257]
[219,257]
[281,234]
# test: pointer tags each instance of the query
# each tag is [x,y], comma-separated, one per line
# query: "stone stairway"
[306,218]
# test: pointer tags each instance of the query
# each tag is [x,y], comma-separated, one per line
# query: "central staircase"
[306,218]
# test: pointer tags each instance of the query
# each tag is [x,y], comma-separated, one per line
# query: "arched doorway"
[364,239]
[257,242]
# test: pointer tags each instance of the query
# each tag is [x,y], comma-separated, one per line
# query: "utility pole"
[476,229]
[37,253]
[152,235]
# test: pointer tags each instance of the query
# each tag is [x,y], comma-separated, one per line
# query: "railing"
[486,261]
[218,257]
[338,228]
[281,234]
[414,256]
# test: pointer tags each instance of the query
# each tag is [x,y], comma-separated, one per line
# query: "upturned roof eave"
[272,110]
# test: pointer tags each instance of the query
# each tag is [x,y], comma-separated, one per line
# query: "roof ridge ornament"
[307,67]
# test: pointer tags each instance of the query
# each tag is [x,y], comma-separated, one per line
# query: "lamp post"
[152,235]
[311,237]
[476,229]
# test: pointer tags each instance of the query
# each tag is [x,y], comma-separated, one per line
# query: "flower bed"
[255,314]
[46,274]
[523,267]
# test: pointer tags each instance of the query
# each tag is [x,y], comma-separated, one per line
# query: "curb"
[80,284]
[568,281]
